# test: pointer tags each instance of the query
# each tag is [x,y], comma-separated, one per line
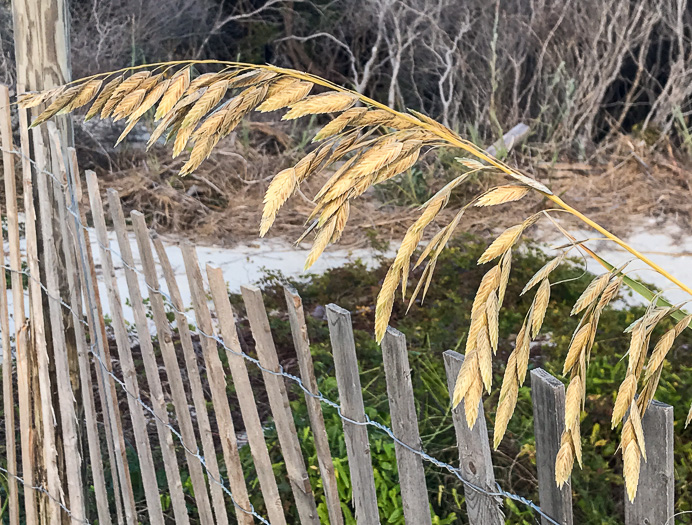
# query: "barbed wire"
[498,492]
[43,490]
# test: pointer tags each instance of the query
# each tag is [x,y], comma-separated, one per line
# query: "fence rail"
[49,450]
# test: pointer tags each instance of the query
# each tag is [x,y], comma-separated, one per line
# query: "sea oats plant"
[369,143]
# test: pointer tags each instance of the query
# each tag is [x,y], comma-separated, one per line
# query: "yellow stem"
[447,135]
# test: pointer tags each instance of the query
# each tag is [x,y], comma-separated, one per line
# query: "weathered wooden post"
[41,34]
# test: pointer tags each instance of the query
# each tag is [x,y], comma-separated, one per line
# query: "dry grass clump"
[371,144]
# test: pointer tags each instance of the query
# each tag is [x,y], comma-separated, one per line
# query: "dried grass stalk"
[374,144]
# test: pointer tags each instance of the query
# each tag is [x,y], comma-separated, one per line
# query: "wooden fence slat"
[475,460]
[93,442]
[17,296]
[108,395]
[195,382]
[151,367]
[548,395]
[39,332]
[351,396]
[281,410]
[84,259]
[299,329]
[175,378]
[24,397]
[402,407]
[655,500]
[139,422]
[217,384]
[66,397]
[246,397]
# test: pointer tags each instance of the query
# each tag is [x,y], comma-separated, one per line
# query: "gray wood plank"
[151,366]
[243,388]
[351,397]
[217,385]
[281,410]
[510,139]
[299,330]
[175,379]
[548,396]
[402,407]
[475,460]
[655,500]
[139,421]
[194,381]
[17,288]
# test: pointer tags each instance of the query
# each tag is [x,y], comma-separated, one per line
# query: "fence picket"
[93,442]
[108,395]
[139,422]
[299,330]
[217,383]
[83,259]
[548,395]
[68,416]
[170,461]
[24,354]
[195,381]
[402,408]
[165,338]
[475,460]
[351,396]
[281,410]
[17,292]
[655,501]
[246,397]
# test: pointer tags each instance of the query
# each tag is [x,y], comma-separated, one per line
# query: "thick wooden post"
[548,395]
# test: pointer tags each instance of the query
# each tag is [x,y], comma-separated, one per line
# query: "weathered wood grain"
[655,501]
[548,396]
[17,291]
[351,397]
[281,410]
[402,408]
[475,460]
[299,330]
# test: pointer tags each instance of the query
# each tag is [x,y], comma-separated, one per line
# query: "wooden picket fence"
[44,468]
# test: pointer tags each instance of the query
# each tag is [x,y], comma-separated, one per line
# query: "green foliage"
[440,324]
